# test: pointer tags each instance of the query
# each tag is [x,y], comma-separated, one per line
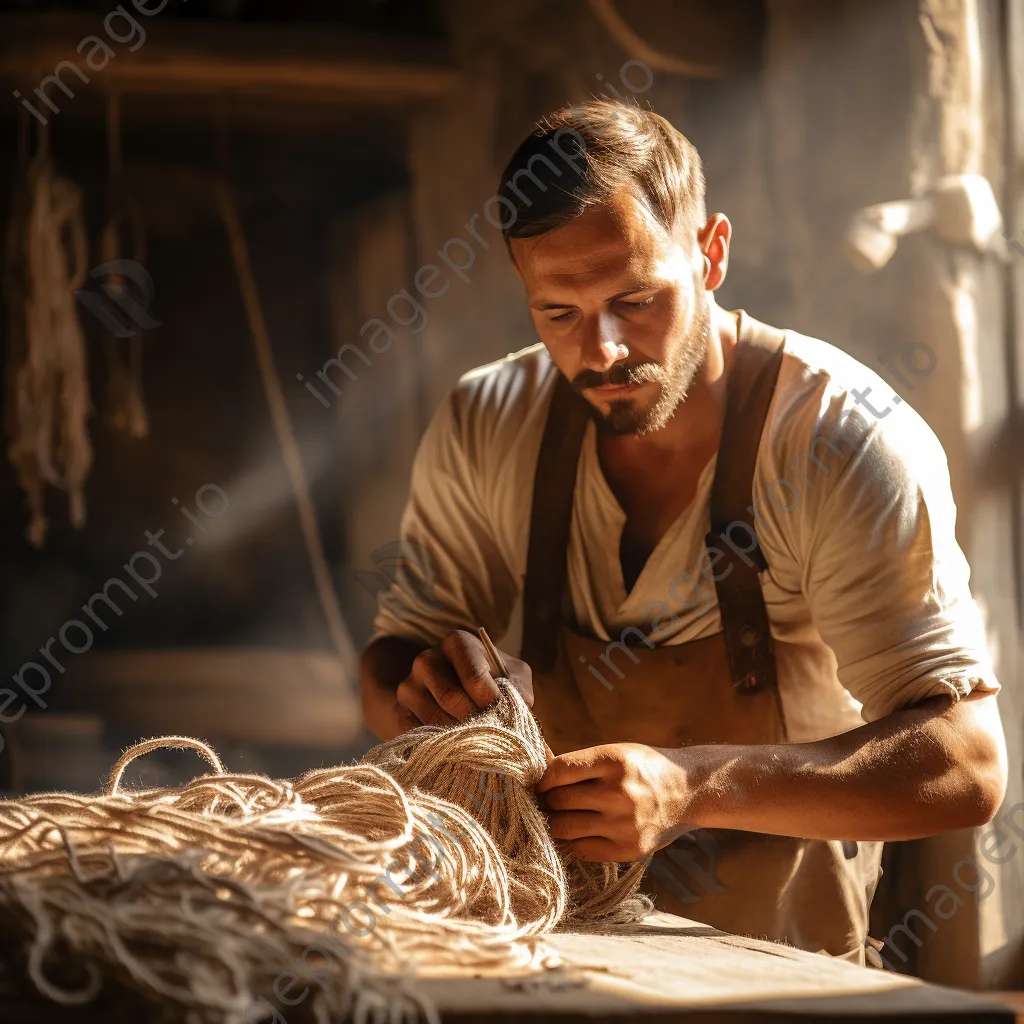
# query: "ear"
[714,240]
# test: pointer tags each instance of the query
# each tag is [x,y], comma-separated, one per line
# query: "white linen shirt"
[866,584]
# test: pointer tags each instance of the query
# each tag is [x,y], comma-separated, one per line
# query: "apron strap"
[747,634]
[744,615]
[550,521]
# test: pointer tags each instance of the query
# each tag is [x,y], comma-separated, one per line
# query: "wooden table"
[667,969]
[670,968]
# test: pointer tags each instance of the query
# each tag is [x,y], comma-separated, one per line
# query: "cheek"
[680,308]
[657,334]
[680,315]
[564,353]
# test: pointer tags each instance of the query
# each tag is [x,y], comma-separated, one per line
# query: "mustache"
[619,374]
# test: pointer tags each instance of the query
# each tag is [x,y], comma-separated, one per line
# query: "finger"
[575,824]
[469,659]
[521,676]
[525,691]
[444,686]
[432,671]
[421,703]
[405,718]
[451,697]
[591,795]
[576,766]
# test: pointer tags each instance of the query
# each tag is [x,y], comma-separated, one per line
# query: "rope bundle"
[428,855]
[47,400]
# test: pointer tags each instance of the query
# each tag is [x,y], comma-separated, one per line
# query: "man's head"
[612,241]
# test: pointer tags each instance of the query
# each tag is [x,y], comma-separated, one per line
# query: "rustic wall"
[871,102]
[244,581]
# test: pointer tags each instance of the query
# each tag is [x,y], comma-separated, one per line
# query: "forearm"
[385,663]
[928,769]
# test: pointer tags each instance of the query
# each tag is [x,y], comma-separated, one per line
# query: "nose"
[602,347]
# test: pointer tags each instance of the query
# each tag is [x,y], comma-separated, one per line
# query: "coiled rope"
[428,856]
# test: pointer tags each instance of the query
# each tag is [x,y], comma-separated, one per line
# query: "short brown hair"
[600,147]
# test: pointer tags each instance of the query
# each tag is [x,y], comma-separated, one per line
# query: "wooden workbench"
[667,969]
[670,968]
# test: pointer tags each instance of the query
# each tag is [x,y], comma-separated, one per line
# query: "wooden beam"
[298,63]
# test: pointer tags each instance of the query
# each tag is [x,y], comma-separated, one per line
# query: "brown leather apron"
[813,894]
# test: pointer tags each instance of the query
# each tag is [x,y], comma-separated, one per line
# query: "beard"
[627,416]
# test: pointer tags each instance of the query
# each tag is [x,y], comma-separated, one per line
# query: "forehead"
[620,237]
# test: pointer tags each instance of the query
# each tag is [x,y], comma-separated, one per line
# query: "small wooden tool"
[500,672]
[498,667]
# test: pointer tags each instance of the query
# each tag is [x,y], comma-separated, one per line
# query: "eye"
[567,315]
[642,304]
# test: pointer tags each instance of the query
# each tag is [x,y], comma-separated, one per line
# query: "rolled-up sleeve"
[450,573]
[886,581]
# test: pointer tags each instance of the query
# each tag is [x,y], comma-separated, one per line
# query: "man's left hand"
[617,802]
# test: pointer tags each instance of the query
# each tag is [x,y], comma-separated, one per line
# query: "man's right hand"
[447,684]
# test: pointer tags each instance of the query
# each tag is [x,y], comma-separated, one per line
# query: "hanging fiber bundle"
[427,856]
[47,401]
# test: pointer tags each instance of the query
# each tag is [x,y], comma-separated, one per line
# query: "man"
[807,676]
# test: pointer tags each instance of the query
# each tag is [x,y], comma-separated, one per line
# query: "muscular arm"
[931,768]
[448,571]
[887,589]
